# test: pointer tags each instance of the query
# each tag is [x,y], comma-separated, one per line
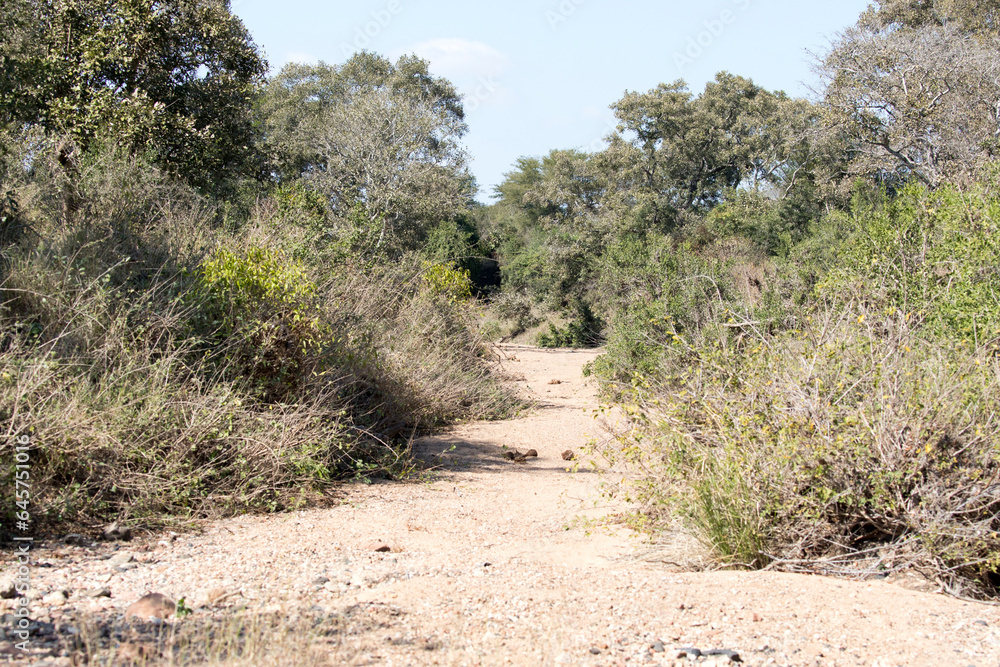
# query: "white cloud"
[461,59]
[475,68]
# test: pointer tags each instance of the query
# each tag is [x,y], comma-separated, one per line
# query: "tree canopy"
[676,153]
[980,17]
[373,137]
[176,78]
[915,88]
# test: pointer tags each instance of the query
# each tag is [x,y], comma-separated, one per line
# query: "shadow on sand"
[444,454]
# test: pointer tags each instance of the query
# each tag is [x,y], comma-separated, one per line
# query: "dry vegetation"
[174,367]
[855,433]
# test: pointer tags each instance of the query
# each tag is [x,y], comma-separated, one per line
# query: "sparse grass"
[233,639]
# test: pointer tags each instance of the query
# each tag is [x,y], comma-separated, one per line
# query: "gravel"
[495,563]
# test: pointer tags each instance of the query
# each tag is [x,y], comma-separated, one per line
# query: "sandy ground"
[494,562]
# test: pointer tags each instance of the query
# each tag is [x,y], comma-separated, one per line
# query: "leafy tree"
[674,158]
[546,224]
[980,17]
[372,136]
[517,182]
[915,94]
[569,189]
[675,154]
[174,78]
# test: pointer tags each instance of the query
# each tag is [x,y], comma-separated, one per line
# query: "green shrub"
[932,254]
[584,330]
[774,225]
[851,434]
[302,206]
[455,242]
[660,290]
[448,280]
[258,310]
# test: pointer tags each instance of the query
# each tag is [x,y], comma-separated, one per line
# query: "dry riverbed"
[483,561]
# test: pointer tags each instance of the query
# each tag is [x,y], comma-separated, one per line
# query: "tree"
[516,184]
[174,78]
[674,154]
[920,102]
[568,191]
[379,140]
[980,17]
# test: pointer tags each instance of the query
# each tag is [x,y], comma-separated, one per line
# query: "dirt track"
[496,562]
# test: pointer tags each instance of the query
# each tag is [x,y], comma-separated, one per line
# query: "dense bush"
[584,330]
[663,289]
[852,435]
[165,367]
[932,254]
[863,429]
[258,311]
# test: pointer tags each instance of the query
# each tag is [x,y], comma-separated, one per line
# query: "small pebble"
[102,592]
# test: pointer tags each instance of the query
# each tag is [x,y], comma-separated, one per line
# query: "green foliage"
[302,206]
[514,307]
[126,425]
[256,280]
[584,330]
[448,281]
[257,308]
[298,102]
[176,79]
[733,161]
[711,293]
[379,141]
[10,216]
[931,254]
[455,241]
[635,343]
[210,375]
[676,153]
[182,610]
[172,367]
[909,90]
[776,226]
[978,17]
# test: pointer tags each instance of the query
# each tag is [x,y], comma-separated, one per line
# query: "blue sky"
[540,74]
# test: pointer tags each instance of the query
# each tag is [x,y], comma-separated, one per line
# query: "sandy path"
[494,562]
